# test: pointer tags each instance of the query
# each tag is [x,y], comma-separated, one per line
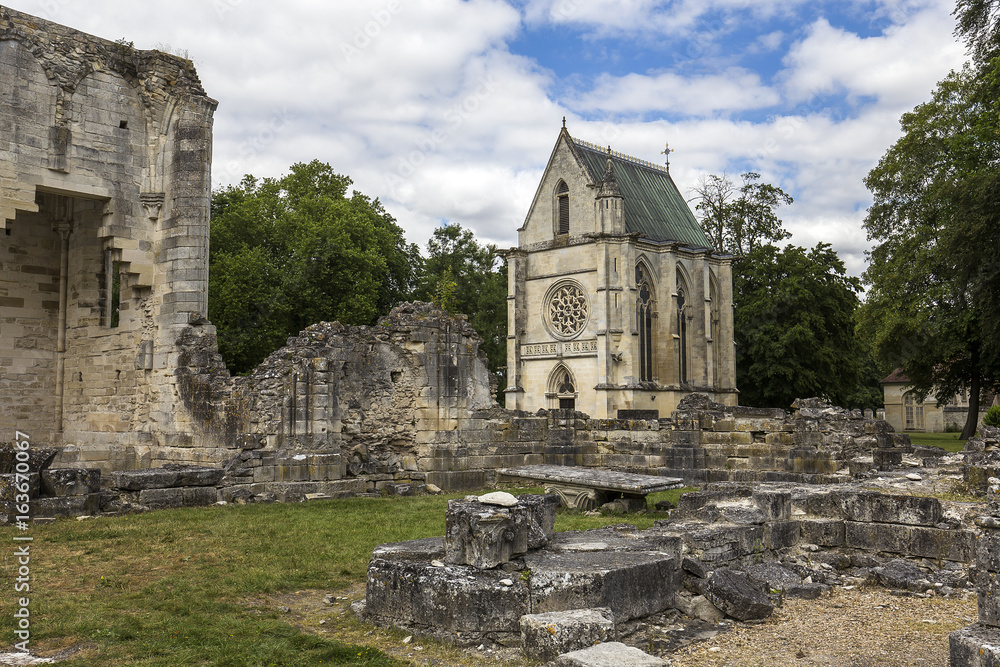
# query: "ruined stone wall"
[105,155]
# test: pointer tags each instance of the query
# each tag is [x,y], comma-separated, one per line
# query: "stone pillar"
[979,645]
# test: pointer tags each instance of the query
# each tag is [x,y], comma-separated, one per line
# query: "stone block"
[988,585]
[942,544]
[610,654]
[484,536]
[872,506]
[737,595]
[988,551]
[546,636]
[781,534]
[452,598]
[426,549]
[70,481]
[974,646]
[822,532]
[719,544]
[67,506]
[776,505]
[191,496]
[166,477]
[631,584]
[459,480]
[877,537]
[541,518]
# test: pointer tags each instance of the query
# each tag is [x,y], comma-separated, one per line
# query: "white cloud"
[907,58]
[734,89]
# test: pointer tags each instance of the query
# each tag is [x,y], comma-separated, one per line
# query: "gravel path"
[850,628]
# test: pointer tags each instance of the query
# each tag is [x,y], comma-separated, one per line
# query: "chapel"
[617,301]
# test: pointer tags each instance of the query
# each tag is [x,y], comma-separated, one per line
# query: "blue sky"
[447,110]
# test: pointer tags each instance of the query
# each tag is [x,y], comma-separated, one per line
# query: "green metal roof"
[654,206]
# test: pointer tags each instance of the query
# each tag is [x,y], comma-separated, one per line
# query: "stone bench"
[587,488]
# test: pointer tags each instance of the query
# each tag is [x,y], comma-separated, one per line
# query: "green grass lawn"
[948,441]
[171,587]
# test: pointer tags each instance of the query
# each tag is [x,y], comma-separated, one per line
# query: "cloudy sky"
[447,110]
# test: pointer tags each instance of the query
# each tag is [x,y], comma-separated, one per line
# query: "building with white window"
[906,412]
[616,299]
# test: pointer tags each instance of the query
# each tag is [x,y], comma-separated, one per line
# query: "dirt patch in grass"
[309,611]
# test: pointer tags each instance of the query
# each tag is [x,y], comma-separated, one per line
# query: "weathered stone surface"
[988,551]
[546,636]
[165,478]
[776,505]
[631,584]
[455,598]
[541,518]
[426,549]
[722,543]
[955,544]
[872,506]
[737,595]
[900,574]
[777,577]
[187,496]
[39,458]
[698,606]
[70,481]
[993,496]
[988,585]
[484,536]
[975,646]
[66,506]
[824,532]
[610,654]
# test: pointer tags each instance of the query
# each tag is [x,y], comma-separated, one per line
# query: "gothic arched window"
[644,323]
[682,342]
[562,200]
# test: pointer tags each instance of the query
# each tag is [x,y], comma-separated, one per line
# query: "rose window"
[568,310]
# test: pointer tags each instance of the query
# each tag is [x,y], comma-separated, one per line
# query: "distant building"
[617,300]
[906,412]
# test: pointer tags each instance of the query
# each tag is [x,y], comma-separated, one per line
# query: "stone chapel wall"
[105,159]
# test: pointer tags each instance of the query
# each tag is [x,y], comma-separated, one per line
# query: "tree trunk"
[972,420]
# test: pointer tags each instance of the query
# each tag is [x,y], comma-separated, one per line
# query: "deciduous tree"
[932,305]
[289,252]
[795,330]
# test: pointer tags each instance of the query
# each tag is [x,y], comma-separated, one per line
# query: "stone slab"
[67,506]
[872,506]
[455,598]
[631,584]
[194,496]
[975,646]
[595,478]
[737,595]
[611,654]
[70,481]
[426,549]
[165,478]
[546,636]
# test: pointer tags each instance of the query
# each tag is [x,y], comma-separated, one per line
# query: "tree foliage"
[933,305]
[289,252]
[463,276]
[795,330]
[739,220]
